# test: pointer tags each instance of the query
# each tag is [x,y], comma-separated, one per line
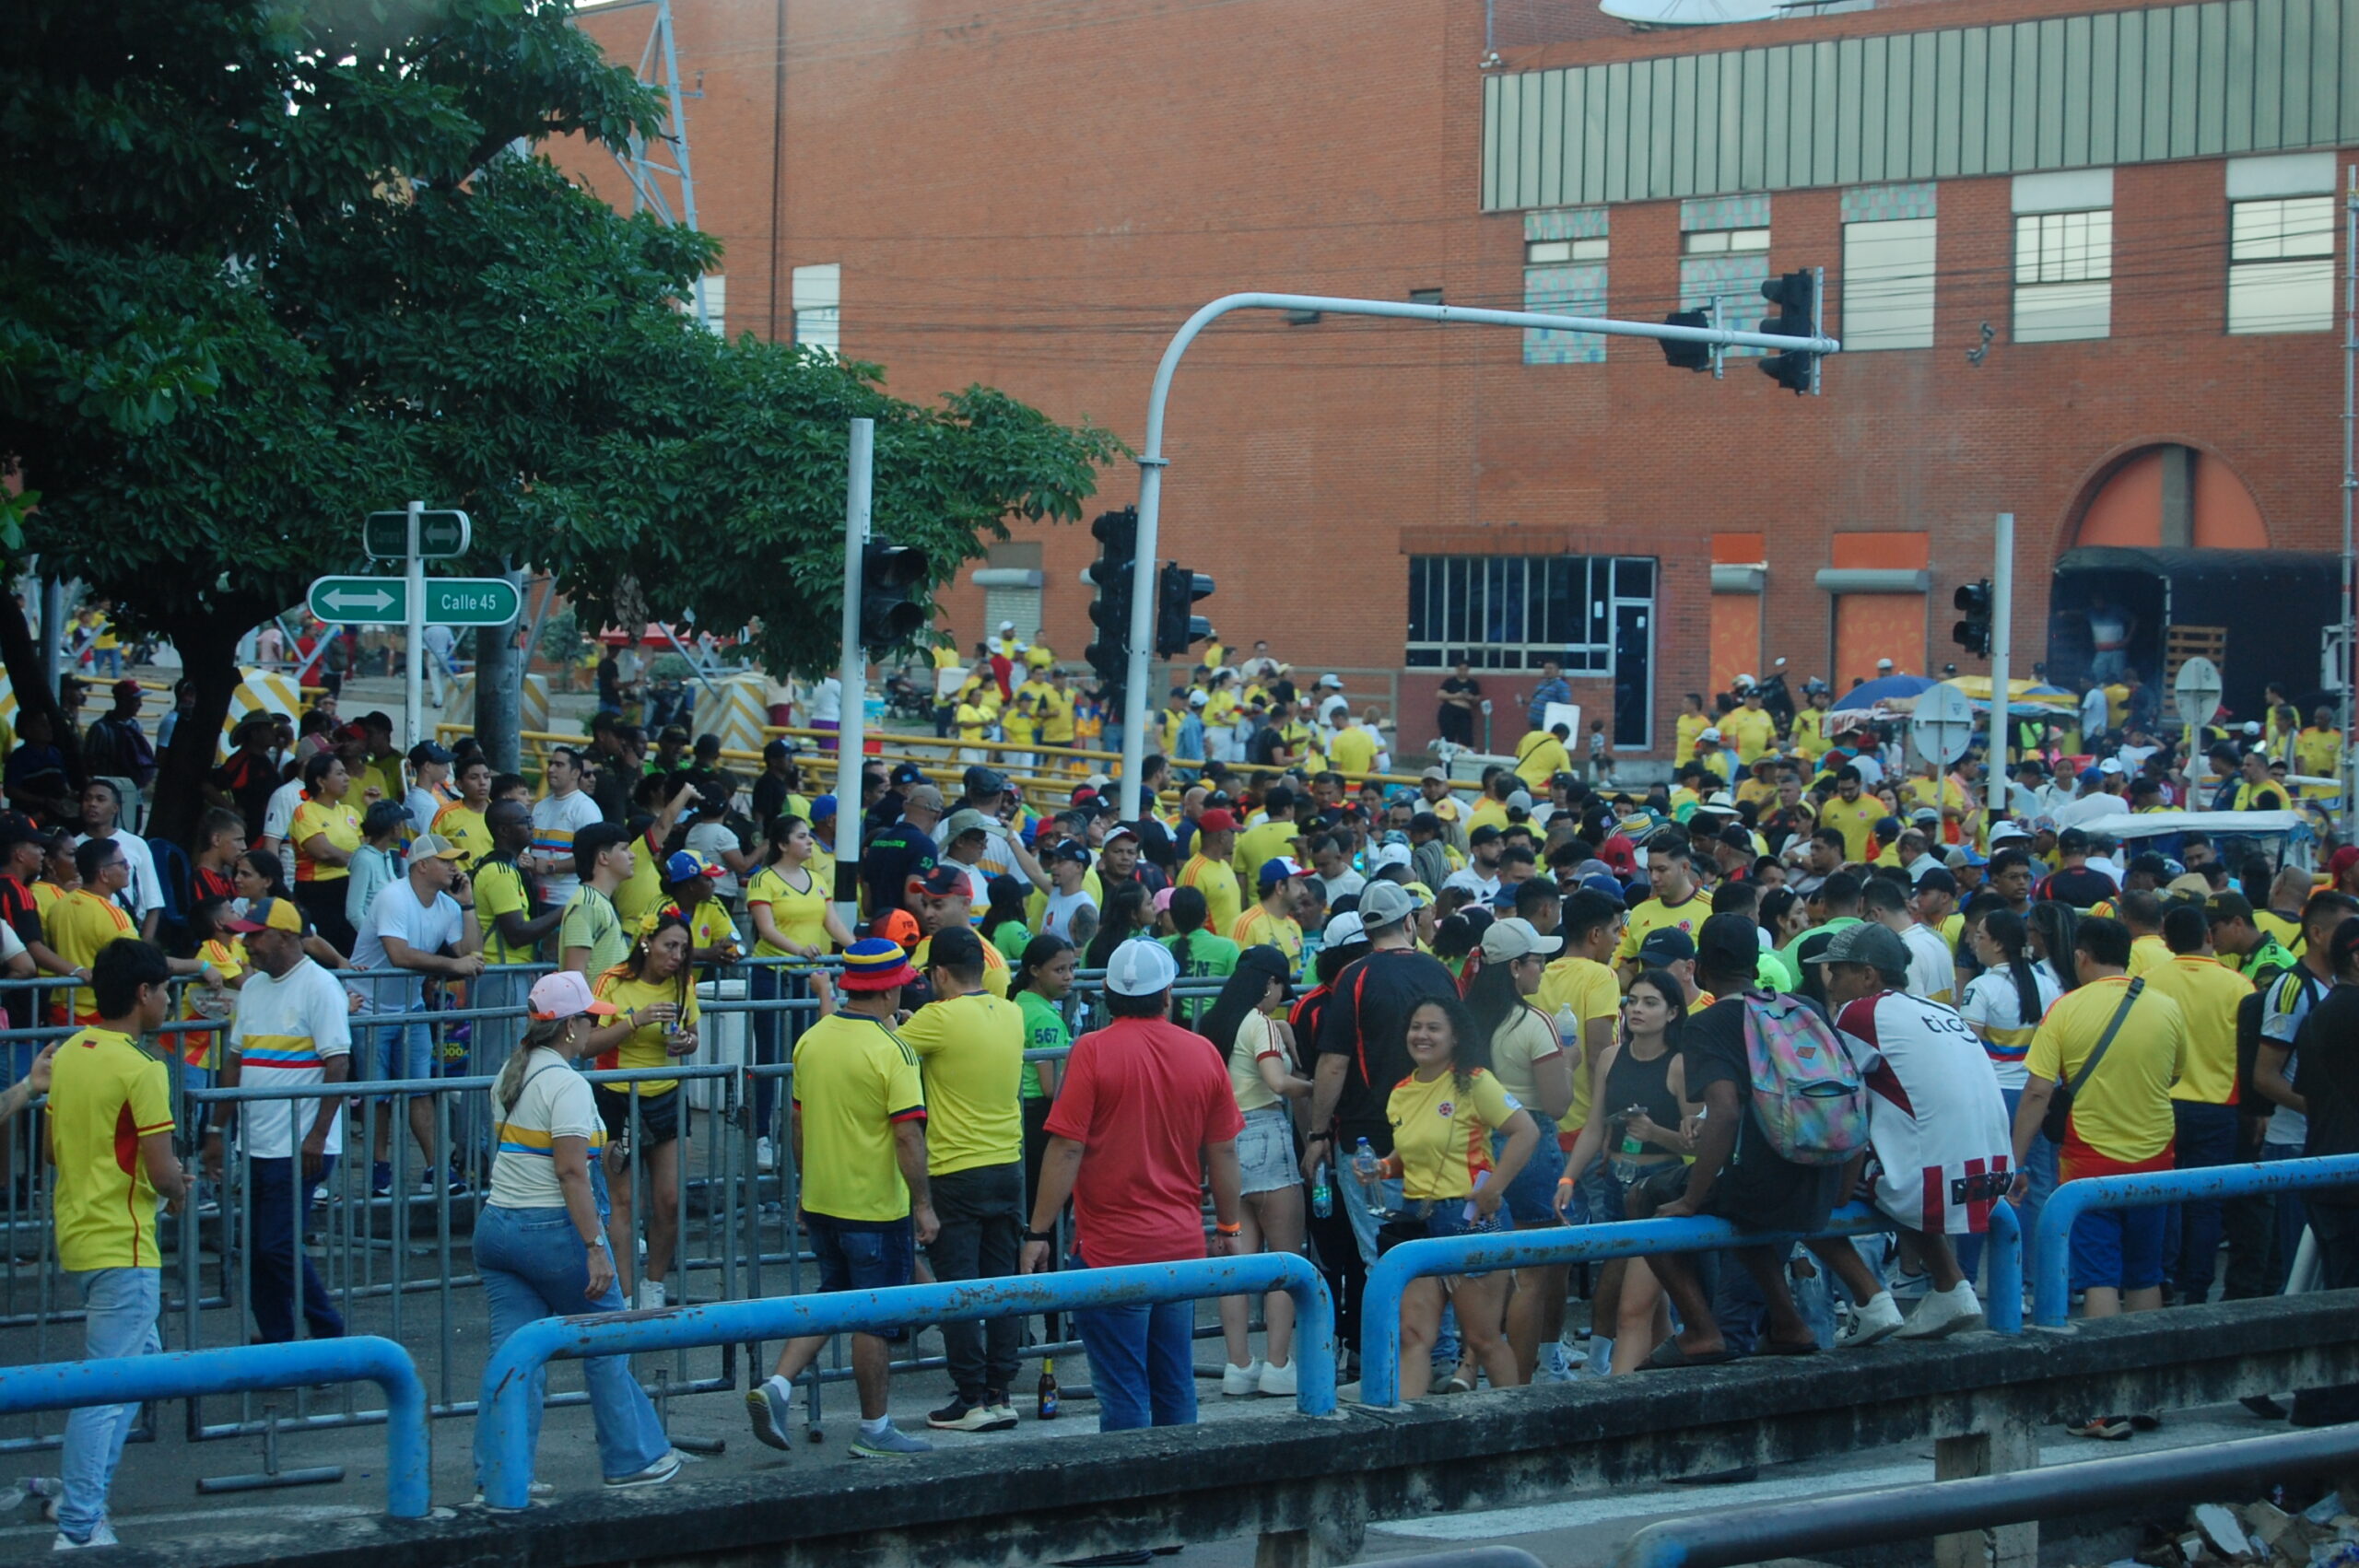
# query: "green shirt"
[1776,972]
[1044,1030]
[499,890]
[591,921]
[1209,957]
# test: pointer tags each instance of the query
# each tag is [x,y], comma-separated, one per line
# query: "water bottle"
[1366,1166]
[1568,1033]
[1323,1196]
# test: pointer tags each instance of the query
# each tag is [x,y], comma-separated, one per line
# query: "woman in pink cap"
[540,1243]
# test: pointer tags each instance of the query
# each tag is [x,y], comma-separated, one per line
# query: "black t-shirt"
[1262,749]
[249,780]
[770,799]
[894,856]
[1366,1022]
[2079,886]
[1759,1187]
[17,908]
[2328,1043]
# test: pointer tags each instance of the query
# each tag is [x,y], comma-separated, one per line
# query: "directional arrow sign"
[384,601]
[385,535]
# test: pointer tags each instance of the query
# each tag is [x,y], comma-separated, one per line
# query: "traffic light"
[1687,355]
[894,603]
[1796,295]
[1177,625]
[1118,548]
[1973,634]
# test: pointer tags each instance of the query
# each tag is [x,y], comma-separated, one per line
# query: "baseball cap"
[907,773]
[2072,840]
[1437,774]
[129,687]
[434,847]
[876,963]
[1711,733]
[962,821]
[895,925]
[1866,942]
[426,752]
[1216,819]
[1331,683]
[924,795]
[1385,854]
[1420,896]
[1007,626]
[940,881]
[1938,879]
[1119,830]
[1599,883]
[1925,814]
[1519,801]
[685,865]
[1277,869]
[2007,830]
[382,817]
[564,994]
[1735,838]
[2192,885]
[1515,938]
[1072,849]
[823,808]
[1485,834]
[17,828]
[1963,855]
[2343,859]
[1197,699]
[1668,945]
[1385,904]
[278,915]
[1728,943]
[982,781]
[1141,966]
[1342,930]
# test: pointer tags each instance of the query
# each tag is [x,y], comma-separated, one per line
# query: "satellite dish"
[2197,692]
[1690,13]
[1943,725]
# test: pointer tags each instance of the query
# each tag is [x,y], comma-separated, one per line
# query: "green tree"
[280,262]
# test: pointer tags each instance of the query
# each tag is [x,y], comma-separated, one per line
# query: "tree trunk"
[500,687]
[28,676]
[208,651]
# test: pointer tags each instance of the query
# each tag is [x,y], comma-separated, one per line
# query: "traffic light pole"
[413,682]
[851,709]
[1152,461]
[1995,785]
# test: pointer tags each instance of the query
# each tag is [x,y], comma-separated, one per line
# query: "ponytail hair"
[1189,912]
[543,1033]
[1038,954]
[2058,927]
[2012,938]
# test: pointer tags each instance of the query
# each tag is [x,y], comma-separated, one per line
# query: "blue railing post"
[2003,1307]
[181,1374]
[2052,1248]
[507,1378]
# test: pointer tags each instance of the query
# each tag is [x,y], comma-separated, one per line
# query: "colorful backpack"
[1806,1094]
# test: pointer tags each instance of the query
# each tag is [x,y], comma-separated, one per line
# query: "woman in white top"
[1246,1024]
[2004,1006]
[540,1243]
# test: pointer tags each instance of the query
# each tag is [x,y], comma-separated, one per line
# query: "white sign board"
[1943,725]
[2197,692]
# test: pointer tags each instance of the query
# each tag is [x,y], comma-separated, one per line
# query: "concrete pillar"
[1338,1530]
[2007,1444]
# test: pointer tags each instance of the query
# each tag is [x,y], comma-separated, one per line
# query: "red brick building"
[2024,212]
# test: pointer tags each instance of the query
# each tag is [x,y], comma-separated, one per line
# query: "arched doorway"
[2176,497]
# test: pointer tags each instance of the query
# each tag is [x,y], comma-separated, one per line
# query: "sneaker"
[102,1534]
[1554,1366]
[1278,1380]
[656,1474]
[765,1155]
[1875,1322]
[457,1185]
[381,1179]
[1002,1415]
[890,1444]
[1236,1382]
[1944,1313]
[650,1295]
[960,1416]
[773,1415]
[534,1489]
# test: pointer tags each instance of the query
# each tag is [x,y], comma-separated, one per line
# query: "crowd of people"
[1336,1013]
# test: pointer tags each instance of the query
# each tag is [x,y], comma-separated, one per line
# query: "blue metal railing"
[1381,1303]
[180,1374]
[506,1400]
[2052,1248]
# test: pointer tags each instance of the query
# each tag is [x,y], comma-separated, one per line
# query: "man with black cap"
[901,851]
[1363,1045]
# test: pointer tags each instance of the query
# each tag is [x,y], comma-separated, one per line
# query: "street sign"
[384,601]
[1943,725]
[2197,692]
[440,534]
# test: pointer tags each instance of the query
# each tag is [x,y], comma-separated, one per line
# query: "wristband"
[1564,1181]
[1049,1237]
[1226,1230]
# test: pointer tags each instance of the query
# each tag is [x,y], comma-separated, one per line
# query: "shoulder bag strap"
[2106,1039]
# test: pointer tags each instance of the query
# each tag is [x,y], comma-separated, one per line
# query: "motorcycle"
[1776,698]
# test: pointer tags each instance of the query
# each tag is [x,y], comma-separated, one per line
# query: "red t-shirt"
[1141,1096]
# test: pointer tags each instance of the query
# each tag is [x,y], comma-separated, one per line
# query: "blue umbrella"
[1889,688]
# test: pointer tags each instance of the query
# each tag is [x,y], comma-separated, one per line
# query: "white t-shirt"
[1994,1006]
[555,1103]
[1349,885]
[708,839]
[827,700]
[278,821]
[283,1031]
[1932,973]
[1935,1117]
[556,819]
[1056,919]
[1485,888]
[428,927]
[143,892]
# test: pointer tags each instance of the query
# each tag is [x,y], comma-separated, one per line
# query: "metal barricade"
[1380,1302]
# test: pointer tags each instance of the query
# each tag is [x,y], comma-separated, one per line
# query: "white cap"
[1343,928]
[1884,663]
[1745,683]
[1513,938]
[1334,681]
[1007,626]
[1711,733]
[1141,966]
[2007,830]
[1384,855]
[1385,904]
[1197,699]
[2111,765]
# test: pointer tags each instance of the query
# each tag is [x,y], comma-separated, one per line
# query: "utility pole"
[852,710]
[2002,608]
[2347,769]
[414,684]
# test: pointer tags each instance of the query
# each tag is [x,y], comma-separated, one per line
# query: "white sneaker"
[656,1474]
[1278,1380]
[650,1295]
[1555,1365]
[1239,1381]
[1875,1322]
[1942,1313]
[765,1155]
[102,1534]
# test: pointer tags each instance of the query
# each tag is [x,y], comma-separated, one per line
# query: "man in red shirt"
[1144,1114]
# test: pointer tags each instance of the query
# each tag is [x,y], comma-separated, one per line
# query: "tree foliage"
[276,263]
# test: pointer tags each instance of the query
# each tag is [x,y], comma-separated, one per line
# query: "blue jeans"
[120,1308]
[1361,1203]
[2291,1218]
[533,1265]
[2206,1136]
[280,1217]
[2041,1164]
[768,982]
[1142,1361]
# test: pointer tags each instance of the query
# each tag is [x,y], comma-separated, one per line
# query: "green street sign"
[384,601]
[440,534]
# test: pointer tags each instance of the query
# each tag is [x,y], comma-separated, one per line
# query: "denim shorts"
[401,1050]
[1531,1197]
[658,1115]
[862,1255]
[1265,1151]
[1443,1217]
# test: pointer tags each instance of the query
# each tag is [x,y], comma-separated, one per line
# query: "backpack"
[1807,1094]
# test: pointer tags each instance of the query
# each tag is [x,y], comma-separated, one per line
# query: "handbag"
[2058,1119]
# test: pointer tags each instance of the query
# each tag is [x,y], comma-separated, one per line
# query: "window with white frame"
[1887,283]
[818,306]
[713,306]
[2063,276]
[1564,274]
[2280,264]
[1724,254]
[1514,612]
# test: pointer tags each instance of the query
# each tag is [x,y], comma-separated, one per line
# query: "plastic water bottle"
[1322,1194]
[1366,1166]
[1569,1030]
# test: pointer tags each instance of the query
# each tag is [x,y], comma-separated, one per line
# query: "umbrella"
[2019,694]
[1897,692]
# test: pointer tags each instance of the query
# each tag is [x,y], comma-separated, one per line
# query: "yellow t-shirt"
[1224,901]
[643,889]
[2122,1115]
[1539,757]
[1354,750]
[1654,915]
[1855,820]
[1759,791]
[710,925]
[2209,995]
[1752,733]
[499,890]
[994,965]
[970,1055]
[1056,718]
[463,825]
[1810,736]
[2148,954]
[854,1080]
[2270,923]
[1258,925]
[339,822]
[1019,728]
[105,1093]
[1489,812]
[2266,796]
[971,722]
[1591,989]
[1442,1134]
[1262,842]
[799,917]
[229,961]
[643,1046]
[2315,752]
[78,925]
[1691,726]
